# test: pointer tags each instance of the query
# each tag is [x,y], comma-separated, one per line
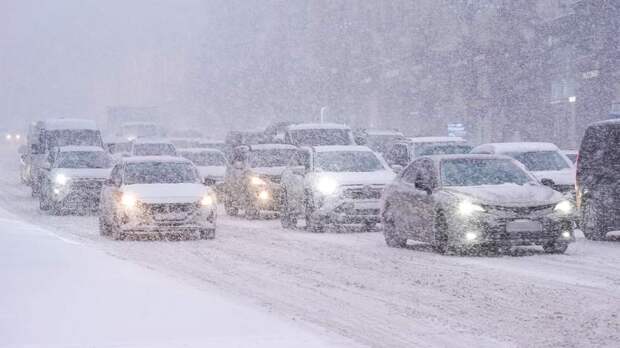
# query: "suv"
[598,179]
[152,147]
[333,185]
[403,152]
[317,134]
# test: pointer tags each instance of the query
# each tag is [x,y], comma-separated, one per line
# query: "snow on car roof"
[437,140]
[199,150]
[151,141]
[519,147]
[304,126]
[76,148]
[383,132]
[70,123]
[332,148]
[439,158]
[146,159]
[272,147]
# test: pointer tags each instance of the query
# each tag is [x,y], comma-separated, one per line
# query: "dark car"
[598,179]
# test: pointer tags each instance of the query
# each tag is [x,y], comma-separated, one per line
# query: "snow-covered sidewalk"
[56,292]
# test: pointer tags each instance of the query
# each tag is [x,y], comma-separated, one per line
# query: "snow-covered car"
[543,160]
[378,140]
[252,180]
[118,148]
[154,196]
[598,179]
[461,201]
[333,185]
[317,134]
[403,152]
[74,178]
[211,164]
[152,147]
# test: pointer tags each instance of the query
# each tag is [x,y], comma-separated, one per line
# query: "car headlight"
[129,200]
[467,208]
[207,201]
[8,137]
[264,195]
[17,136]
[327,186]
[61,179]
[256,181]
[564,207]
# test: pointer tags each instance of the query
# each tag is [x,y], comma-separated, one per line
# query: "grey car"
[461,201]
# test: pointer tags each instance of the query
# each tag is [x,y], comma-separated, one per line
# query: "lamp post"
[572,100]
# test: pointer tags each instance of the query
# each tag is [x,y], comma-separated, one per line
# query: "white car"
[156,195]
[73,178]
[211,163]
[544,160]
[333,185]
[152,147]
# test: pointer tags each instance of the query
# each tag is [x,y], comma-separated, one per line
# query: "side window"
[399,155]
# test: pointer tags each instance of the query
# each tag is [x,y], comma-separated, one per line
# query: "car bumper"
[350,212]
[196,220]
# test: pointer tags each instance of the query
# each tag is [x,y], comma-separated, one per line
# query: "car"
[571,154]
[154,196]
[74,179]
[316,134]
[378,140]
[598,179]
[152,147]
[118,148]
[211,164]
[458,202]
[333,185]
[402,152]
[252,180]
[13,137]
[544,160]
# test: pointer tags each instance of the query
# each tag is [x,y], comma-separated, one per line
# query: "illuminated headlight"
[264,195]
[327,186]
[564,207]
[61,179]
[469,236]
[467,208]
[8,137]
[17,136]
[256,181]
[566,235]
[129,200]
[207,201]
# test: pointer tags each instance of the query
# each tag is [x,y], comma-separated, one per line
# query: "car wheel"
[555,247]
[44,203]
[442,239]
[391,234]
[104,227]
[312,224]
[287,218]
[208,233]
[591,222]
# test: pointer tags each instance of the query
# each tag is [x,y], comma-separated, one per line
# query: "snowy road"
[353,285]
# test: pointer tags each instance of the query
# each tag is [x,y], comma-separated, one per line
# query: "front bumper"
[82,196]
[349,211]
[147,219]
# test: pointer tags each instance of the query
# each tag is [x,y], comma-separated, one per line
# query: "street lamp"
[573,121]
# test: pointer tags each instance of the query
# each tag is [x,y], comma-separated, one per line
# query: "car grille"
[168,208]
[520,211]
[87,185]
[363,192]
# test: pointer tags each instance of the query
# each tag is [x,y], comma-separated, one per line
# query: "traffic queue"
[433,189]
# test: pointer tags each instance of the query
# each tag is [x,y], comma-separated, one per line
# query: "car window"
[348,161]
[541,160]
[478,172]
[160,173]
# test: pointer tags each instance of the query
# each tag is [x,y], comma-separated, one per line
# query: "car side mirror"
[547,182]
[397,168]
[423,185]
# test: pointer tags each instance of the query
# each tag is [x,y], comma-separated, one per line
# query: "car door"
[425,183]
[414,200]
[400,201]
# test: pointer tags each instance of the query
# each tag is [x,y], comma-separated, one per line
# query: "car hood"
[212,171]
[84,173]
[508,194]
[167,193]
[381,177]
[559,177]
[272,171]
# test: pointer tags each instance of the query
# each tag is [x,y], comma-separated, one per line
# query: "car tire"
[591,222]
[44,203]
[555,247]
[391,234]
[104,228]
[115,231]
[312,224]
[287,218]
[442,239]
[207,233]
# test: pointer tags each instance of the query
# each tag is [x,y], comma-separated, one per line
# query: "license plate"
[170,216]
[523,226]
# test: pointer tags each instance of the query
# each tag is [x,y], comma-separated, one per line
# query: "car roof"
[271,147]
[70,123]
[151,141]
[303,126]
[439,158]
[517,147]
[383,132]
[436,140]
[75,148]
[147,159]
[332,148]
[199,150]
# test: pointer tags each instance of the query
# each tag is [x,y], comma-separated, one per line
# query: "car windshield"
[154,150]
[318,137]
[160,173]
[348,161]
[77,137]
[270,158]
[441,149]
[540,160]
[83,159]
[477,172]
[205,158]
